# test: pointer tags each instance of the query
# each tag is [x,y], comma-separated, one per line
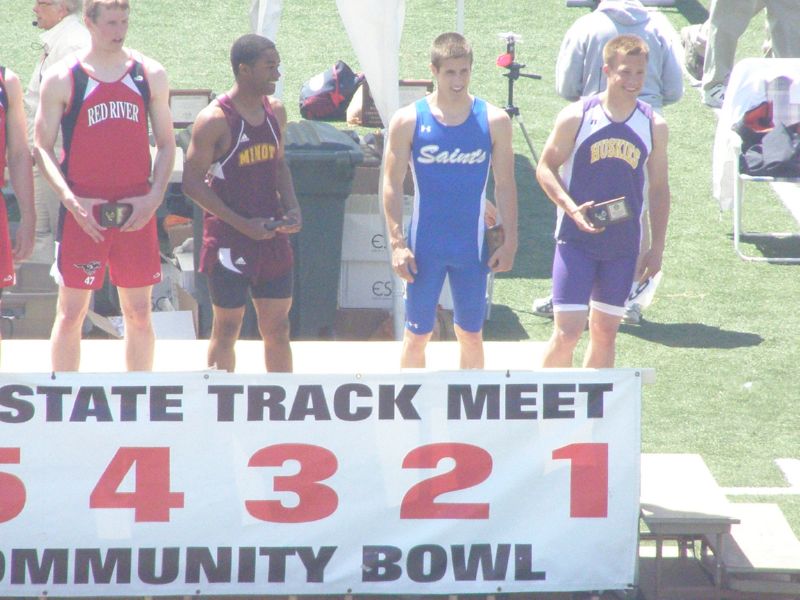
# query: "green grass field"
[721,334]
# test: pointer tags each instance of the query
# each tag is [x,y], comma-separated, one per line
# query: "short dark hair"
[247,50]
[450,45]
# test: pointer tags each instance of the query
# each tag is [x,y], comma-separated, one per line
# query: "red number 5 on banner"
[12,490]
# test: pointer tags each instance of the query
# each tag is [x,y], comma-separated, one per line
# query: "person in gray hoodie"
[579,68]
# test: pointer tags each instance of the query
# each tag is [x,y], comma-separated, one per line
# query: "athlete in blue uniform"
[450,140]
[604,144]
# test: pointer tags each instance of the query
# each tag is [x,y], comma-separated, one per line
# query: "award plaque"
[495,237]
[609,212]
[114,214]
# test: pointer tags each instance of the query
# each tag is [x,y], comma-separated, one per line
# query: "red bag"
[326,95]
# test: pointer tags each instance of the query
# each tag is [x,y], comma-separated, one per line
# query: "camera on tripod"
[509,61]
[514,72]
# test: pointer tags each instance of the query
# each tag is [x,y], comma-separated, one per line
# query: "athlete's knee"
[274,329]
[226,330]
[468,338]
[603,332]
[566,336]
[137,315]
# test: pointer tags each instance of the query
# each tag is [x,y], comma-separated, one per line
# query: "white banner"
[210,483]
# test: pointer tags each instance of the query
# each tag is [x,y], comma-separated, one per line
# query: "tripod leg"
[518,119]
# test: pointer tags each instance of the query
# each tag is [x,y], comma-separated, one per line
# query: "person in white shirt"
[63,33]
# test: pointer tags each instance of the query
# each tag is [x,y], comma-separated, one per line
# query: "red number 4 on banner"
[151,498]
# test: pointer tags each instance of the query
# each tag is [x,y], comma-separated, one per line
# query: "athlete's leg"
[614,278]
[412,356]
[568,326]
[65,338]
[227,322]
[140,340]
[468,286]
[422,298]
[470,346]
[603,329]
[573,278]
[228,291]
[273,323]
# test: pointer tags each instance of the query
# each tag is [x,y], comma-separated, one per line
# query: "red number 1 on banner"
[151,498]
[588,488]
[12,490]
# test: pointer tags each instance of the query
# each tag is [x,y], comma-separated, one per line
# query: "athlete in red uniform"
[14,145]
[101,100]
[235,169]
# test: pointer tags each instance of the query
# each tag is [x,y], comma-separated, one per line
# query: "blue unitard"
[451,168]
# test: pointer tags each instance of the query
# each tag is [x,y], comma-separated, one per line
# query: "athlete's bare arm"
[144,207]
[20,166]
[556,152]
[659,200]
[210,140]
[397,155]
[55,94]
[505,187]
[285,186]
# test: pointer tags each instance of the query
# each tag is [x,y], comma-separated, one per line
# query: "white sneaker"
[715,96]
[543,307]
[633,314]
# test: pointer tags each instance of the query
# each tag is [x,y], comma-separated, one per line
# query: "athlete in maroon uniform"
[101,100]
[235,169]
[14,145]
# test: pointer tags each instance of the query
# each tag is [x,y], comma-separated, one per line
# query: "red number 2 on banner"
[12,490]
[473,466]
[317,500]
[151,498]
[588,479]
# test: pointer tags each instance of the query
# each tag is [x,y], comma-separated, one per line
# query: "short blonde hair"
[450,45]
[627,45]
[91,8]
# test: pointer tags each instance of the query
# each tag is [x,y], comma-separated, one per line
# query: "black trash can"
[322,161]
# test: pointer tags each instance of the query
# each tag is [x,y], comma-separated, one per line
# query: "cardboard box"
[365,284]
[364,230]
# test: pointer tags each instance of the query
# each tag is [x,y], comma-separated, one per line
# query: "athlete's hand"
[257,228]
[23,242]
[490,214]
[293,222]
[649,264]
[144,207]
[404,263]
[582,221]
[83,211]
[503,258]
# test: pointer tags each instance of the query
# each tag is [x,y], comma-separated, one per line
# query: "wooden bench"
[681,502]
[761,554]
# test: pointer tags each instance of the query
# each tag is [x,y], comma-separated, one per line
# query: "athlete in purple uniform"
[235,170]
[598,151]
[450,139]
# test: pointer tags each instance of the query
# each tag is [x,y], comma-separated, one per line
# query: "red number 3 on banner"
[317,500]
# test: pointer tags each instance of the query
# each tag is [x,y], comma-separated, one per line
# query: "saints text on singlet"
[608,161]
[451,168]
[105,129]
